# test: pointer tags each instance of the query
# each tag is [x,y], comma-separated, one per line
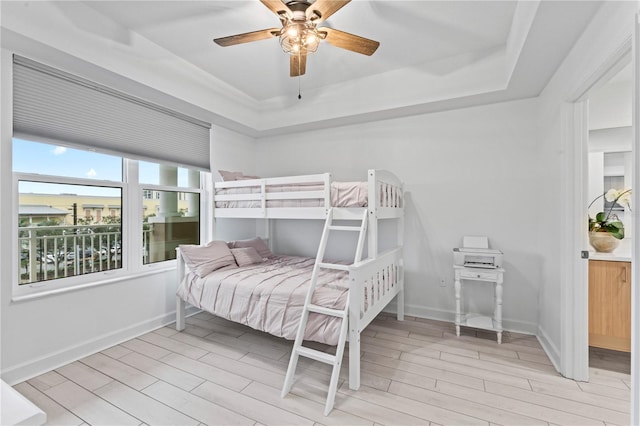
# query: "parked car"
[88,253]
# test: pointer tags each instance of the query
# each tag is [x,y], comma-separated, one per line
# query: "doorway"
[574,360]
[610,171]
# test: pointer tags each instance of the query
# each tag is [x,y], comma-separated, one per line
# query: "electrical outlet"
[442,282]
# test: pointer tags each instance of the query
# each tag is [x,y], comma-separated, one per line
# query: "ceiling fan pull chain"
[299,95]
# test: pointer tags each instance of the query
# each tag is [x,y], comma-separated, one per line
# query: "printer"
[475,253]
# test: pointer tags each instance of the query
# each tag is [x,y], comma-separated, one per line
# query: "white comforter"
[269,296]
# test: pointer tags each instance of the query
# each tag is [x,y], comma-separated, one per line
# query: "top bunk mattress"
[343,194]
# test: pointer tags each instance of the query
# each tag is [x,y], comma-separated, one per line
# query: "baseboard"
[550,349]
[51,361]
[516,326]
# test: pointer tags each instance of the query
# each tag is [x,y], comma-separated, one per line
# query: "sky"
[47,159]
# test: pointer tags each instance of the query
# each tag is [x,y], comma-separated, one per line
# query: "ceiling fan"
[300,34]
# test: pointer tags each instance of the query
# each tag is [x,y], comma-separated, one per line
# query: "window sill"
[102,282]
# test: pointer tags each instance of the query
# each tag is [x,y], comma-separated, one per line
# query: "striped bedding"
[269,296]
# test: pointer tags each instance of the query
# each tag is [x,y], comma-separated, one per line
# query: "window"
[81,120]
[54,243]
[172,215]
[62,232]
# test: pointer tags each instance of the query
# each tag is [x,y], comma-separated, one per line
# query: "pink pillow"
[228,176]
[203,260]
[246,256]
[257,243]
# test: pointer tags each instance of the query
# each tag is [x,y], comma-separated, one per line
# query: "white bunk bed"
[372,282]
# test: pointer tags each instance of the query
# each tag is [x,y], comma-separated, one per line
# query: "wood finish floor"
[606,359]
[414,372]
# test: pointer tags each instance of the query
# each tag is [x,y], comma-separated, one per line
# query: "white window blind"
[53,104]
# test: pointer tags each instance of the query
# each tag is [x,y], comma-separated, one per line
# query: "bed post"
[400,295]
[354,338]
[372,226]
[180,305]
[180,321]
[400,240]
[266,232]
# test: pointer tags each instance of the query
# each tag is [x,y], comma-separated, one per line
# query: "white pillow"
[257,243]
[246,256]
[203,260]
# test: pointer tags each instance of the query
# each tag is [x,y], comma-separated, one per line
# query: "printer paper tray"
[480,265]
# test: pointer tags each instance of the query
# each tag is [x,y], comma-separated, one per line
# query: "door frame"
[635,266]
[574,362]
[574,310]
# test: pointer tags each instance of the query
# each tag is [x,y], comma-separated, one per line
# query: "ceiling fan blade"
[349,41]
[297,65]
[277,7]
[247,37]
[322,9]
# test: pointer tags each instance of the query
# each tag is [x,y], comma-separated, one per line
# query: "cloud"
[58,150]
[91,173]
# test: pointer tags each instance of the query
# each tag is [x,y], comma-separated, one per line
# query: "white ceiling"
[433,55]
[410,32]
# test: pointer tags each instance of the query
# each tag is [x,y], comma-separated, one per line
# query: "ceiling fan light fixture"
[299,34]
[292,31]
[299,38]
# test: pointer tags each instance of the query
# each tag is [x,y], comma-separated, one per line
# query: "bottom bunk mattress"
[269,296]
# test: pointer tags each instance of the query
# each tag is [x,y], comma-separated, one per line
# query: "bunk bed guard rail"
[304,197]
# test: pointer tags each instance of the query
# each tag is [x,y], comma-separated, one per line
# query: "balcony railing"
[51,252]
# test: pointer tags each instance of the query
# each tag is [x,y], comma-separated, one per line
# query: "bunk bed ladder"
[298,349]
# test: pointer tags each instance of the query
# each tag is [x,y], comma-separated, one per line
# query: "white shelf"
[479,321]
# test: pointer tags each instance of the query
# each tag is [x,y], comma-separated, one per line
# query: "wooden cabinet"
[610,305]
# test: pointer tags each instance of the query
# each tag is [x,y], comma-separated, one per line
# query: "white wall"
[474,171]
[610,106]
[232,151]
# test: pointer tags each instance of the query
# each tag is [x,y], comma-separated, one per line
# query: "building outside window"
[62,233]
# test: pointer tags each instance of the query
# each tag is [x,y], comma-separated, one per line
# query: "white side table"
[476,320]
